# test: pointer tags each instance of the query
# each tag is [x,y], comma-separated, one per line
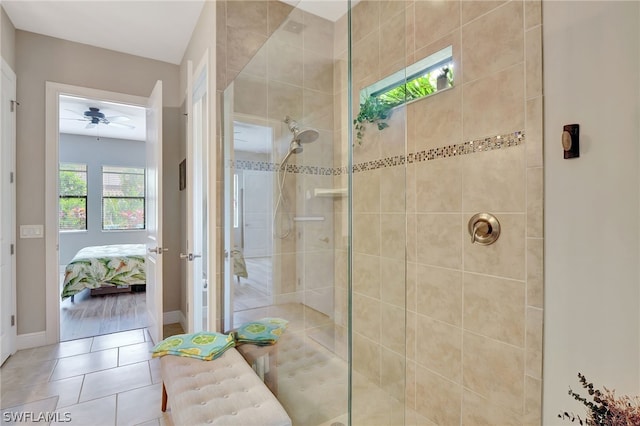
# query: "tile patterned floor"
[102,380]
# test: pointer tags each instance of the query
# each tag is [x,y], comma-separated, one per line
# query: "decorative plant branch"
[606,409]
[373,110]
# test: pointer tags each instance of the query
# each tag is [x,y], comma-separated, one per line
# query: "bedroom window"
[123,198]
[73,197]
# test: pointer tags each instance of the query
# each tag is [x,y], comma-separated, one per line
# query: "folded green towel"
[265,331]
[204,345]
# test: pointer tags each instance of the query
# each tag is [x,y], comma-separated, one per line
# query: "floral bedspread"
[100,266]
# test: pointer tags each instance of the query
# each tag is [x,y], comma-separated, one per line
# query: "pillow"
[265,331]
[205,345]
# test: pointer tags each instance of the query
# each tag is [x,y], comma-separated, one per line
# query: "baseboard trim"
[31,340]
[172,317]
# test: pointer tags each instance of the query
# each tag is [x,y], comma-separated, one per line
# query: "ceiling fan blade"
[74,119]
[121,125]
[75,113]
[118,118]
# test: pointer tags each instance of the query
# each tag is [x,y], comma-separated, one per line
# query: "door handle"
[189,256]
[157,250]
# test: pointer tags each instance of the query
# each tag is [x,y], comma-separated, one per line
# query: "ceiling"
[124,121]
[157,29]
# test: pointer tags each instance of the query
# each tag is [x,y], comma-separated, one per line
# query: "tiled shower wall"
[468,330]
[280,71]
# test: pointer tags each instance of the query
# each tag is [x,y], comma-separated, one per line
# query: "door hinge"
[12,249]
[10,177]
[13,320]
[14,104]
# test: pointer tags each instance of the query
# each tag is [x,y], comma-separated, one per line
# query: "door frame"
[52,153]
[9,146]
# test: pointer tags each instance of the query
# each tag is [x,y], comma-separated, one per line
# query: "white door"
[197,200]
[229,205]
[256,204]
[7,213]
[154,213]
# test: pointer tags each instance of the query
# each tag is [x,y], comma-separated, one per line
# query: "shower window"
[423,78]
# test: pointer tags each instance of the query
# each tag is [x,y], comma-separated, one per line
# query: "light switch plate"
[31,231]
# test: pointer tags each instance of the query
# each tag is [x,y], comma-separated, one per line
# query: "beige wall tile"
[477,410]
[365,62]
[366,275]
[535,272]
[534,343]
[485,50]
[411,332]
[439,185]
[535,201]
[393,38]
[241,46]
[365,17]
[439,294]
[394,328]
[277,12]
[393,190]
[393,138]
[282,35]
[495,307]
[318,72]
[437,399]
[471,9]
[494,105]
[366,191]
[318,34]
[494,370]
[248,15]
[412,237]
[532,13]
[285,63]
[410,385]
[532,402]
[392,376]
[392,281]
[366,316]
[366,233]
[439,240]
[411,170]
[317,109]
[410,32]
[221,67]
[439,347]
[494,181]
[505,257]
[284,99]
[534,132]
[369,148]
[452,39]
[533,52]
[393,228]
[434,19]
[412,287]
[257,65]
[366,357]
[438,120]
[250,95]
[221,23]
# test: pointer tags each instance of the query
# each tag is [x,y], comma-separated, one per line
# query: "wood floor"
[96,315]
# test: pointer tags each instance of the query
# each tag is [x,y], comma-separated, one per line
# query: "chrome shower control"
[484,229]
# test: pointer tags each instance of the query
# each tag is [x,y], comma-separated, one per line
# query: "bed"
[115,268]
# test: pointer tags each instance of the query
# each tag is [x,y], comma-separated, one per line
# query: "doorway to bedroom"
[101,216]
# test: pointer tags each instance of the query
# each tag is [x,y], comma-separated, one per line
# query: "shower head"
[306,136]
[295,147]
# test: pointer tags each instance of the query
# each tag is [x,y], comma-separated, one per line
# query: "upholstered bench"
[225,391]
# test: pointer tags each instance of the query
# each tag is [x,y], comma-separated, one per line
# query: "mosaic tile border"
[456,150]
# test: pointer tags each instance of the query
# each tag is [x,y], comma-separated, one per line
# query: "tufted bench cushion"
[225,391]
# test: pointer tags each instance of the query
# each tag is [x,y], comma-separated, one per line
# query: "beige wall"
[40,59]
[472,342]
[592,214]
[7,39]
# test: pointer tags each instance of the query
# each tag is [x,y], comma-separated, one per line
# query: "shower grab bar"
[308,218]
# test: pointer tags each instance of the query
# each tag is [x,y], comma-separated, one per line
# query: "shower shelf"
[330,192]
[308,218]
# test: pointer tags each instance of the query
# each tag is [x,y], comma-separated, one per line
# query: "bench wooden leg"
[164,398]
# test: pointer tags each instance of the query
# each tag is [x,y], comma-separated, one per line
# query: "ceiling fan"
[93,116]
